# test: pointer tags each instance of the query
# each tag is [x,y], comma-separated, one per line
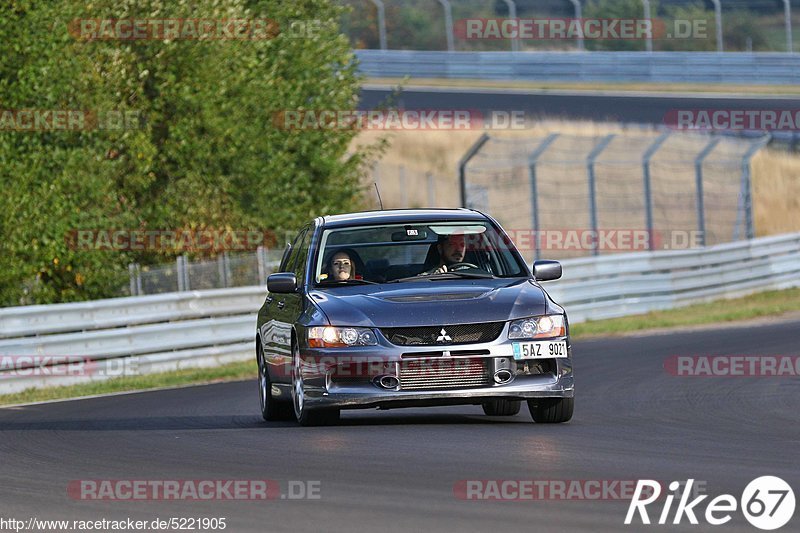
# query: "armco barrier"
[648,67]
[207,328]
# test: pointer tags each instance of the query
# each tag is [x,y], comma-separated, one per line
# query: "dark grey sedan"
[404,308]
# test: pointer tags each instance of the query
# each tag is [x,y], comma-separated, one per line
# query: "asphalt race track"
[396,470]
[595,105]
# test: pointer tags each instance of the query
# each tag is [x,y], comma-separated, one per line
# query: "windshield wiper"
[444,275]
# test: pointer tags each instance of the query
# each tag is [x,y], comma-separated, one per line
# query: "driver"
[451,250]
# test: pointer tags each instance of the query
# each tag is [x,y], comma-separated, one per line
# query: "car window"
[285,257]
[287,265]
[299,267]
[389,252]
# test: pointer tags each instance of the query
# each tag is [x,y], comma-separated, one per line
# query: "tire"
[502,407]
[551,410]
[304,415]
[271,409]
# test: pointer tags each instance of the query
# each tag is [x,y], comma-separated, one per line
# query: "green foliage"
[617,9]
[739,26]
[700,18]
[206,153]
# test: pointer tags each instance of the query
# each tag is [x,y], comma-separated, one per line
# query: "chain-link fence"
[653,190]
[557,195]
[227,270]
[730,25]
[405,187]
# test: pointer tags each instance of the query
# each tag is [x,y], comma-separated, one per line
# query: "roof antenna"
[379,194]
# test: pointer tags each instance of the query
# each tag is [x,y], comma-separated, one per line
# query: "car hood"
[431,302]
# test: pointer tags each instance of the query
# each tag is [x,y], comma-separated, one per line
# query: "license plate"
[539,350]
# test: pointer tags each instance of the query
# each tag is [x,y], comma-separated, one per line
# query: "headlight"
[537,327]
[333,337]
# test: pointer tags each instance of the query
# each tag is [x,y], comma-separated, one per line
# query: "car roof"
[400,216]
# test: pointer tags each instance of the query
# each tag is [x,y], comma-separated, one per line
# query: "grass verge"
[739,90]
[189,376]
[763,304]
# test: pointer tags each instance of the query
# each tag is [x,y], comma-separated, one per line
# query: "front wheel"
[271,409]
[551,410]
[304,415]
[501,407]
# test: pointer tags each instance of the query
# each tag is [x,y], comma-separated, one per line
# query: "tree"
[206,153]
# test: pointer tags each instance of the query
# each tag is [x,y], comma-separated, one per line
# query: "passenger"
[342,266]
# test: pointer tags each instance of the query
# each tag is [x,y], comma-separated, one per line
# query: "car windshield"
[414,252]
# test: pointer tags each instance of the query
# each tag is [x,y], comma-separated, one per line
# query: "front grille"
[440,353]
[447,373]
[433,336]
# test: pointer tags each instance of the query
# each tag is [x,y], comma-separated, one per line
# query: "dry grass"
[776,192]
[776,175]
[720,88]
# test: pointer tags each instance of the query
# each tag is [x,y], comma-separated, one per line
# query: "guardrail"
[145,334]
[648,67]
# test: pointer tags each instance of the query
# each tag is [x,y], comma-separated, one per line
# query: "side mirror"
[282,282]
[546,270]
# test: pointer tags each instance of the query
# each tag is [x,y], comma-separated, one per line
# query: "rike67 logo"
[767,503]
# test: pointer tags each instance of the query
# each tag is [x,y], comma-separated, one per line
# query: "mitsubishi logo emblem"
[443,337]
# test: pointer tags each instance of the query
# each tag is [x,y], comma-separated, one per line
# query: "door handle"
[281,304]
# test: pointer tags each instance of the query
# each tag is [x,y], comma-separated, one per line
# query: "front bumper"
[323,368]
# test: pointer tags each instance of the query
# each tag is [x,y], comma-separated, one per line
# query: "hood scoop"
[434,297]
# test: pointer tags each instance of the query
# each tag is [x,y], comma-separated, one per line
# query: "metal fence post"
[222,266]
[698,179]
[590,160]
[649,39]
[745,196]
[787,15]
[718,23]
[261,262]
[381,23]
[179,268]
[512,14]
[448,23]
[462,166]
[132,277]
[533,159]
[577,5]
[135,274]
[648,191]
[403,188]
